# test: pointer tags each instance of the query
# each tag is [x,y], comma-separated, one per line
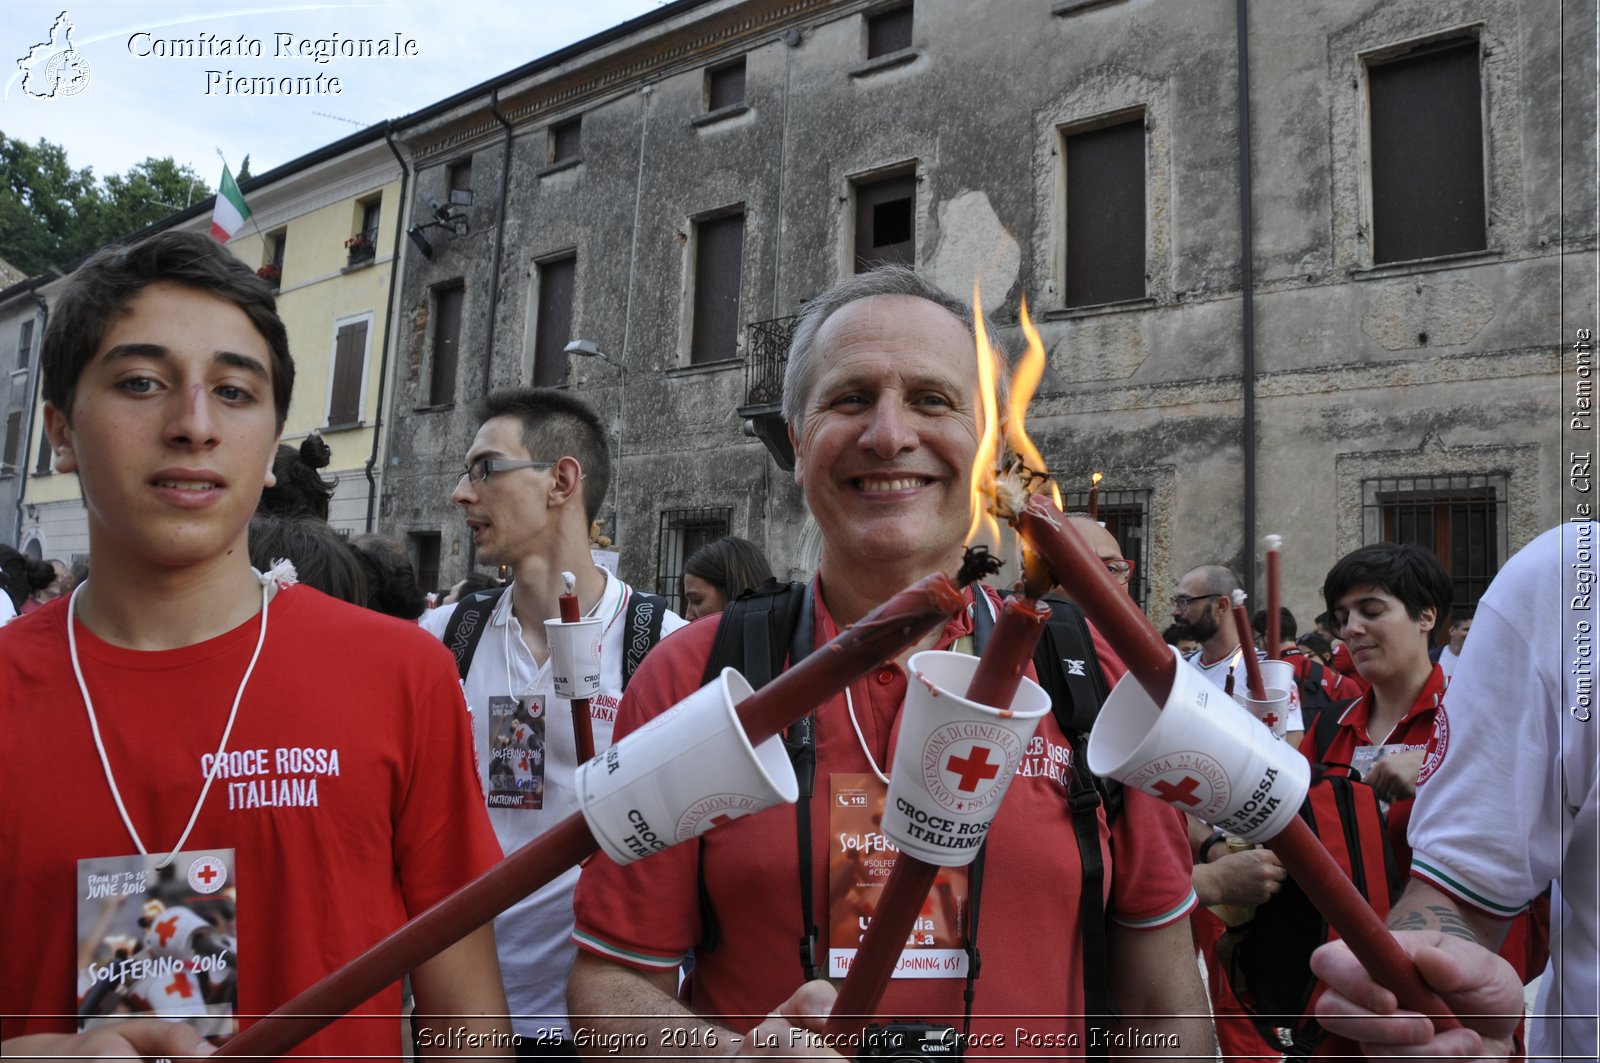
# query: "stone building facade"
[1300,268]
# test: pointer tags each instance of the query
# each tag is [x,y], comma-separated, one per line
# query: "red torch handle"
[1274,605]
[1102,599]
[1000,670]
[878,637]
[582,725]
[1247,646]
[569,608]
[898,906]
[1314,871]
[424,937]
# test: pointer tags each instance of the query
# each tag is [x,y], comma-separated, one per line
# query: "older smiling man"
[880,398]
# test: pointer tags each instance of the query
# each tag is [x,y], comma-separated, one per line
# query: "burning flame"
[1096,478]
[1024,382]
[983,463]
[993,469]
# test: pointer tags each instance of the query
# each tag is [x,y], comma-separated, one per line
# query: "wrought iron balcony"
[766,357]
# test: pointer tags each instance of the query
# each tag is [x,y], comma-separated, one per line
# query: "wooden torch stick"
[1247,646]
[1000,670]
[582,725]
[1274,598]
[877,637]
[1075,567]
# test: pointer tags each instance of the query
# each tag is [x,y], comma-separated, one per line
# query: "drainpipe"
[645,92]
[388,328]
[494,269]
[37,368]
[1247,292]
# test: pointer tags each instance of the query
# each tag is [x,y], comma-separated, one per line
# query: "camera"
[911,1041]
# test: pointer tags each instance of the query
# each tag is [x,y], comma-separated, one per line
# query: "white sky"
[134,107]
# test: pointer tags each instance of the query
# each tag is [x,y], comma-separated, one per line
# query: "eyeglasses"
[1121,570]
[479,471]
[1181,602]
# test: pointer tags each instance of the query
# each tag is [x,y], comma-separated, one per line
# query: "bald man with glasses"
[533,481]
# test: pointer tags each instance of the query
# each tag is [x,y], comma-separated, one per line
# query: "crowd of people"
[280,797]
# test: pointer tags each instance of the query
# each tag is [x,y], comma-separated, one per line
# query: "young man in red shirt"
[273,797]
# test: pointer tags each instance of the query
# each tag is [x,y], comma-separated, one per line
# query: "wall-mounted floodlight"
[587,349]
[421,242]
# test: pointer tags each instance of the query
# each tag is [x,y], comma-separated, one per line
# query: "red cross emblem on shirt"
[1183,792]
[973,769]
[166,928]
[180,985]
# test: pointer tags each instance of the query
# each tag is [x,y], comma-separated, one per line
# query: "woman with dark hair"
[719,572]
[391,583]
[1387,600]
[21,575]
[322,559]
[300,490]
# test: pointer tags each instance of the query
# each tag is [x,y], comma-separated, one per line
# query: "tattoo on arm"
[1435,917]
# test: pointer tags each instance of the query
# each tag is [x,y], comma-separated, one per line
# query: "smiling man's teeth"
[890,485]
[187,485]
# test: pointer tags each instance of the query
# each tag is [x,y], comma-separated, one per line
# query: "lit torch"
[991,701]
[1151,697]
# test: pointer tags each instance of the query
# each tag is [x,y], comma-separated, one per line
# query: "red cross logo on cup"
[1183,793]
[974,768]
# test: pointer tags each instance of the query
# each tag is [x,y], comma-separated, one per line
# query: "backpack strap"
[465,627]
[1326,729]
[1069,670]
[756,633]
[645,613]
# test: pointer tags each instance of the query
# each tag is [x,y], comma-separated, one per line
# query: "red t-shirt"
[395,825]
[1028,919]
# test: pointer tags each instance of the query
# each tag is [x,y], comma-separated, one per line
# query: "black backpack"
[1314,699]
[1268,958]
[773,623]
[466,624]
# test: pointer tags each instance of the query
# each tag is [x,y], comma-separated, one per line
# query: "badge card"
[161,943]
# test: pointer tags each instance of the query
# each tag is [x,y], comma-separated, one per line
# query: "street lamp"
[588,349]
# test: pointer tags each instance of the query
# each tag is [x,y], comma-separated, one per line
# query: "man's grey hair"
[884,279]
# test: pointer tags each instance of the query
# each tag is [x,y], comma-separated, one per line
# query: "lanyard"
[94,725]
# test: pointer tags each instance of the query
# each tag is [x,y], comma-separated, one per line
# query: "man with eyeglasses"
[535,476]
[1105,546]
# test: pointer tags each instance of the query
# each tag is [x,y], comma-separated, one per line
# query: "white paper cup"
[575,657]
[688,770]
[954,759]
[1201,753]
[1283,698]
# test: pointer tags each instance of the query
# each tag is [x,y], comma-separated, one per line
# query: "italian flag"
[228,216]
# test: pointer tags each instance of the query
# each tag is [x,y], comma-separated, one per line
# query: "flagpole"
[225,169]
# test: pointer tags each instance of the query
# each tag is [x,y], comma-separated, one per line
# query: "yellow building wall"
[319,291]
